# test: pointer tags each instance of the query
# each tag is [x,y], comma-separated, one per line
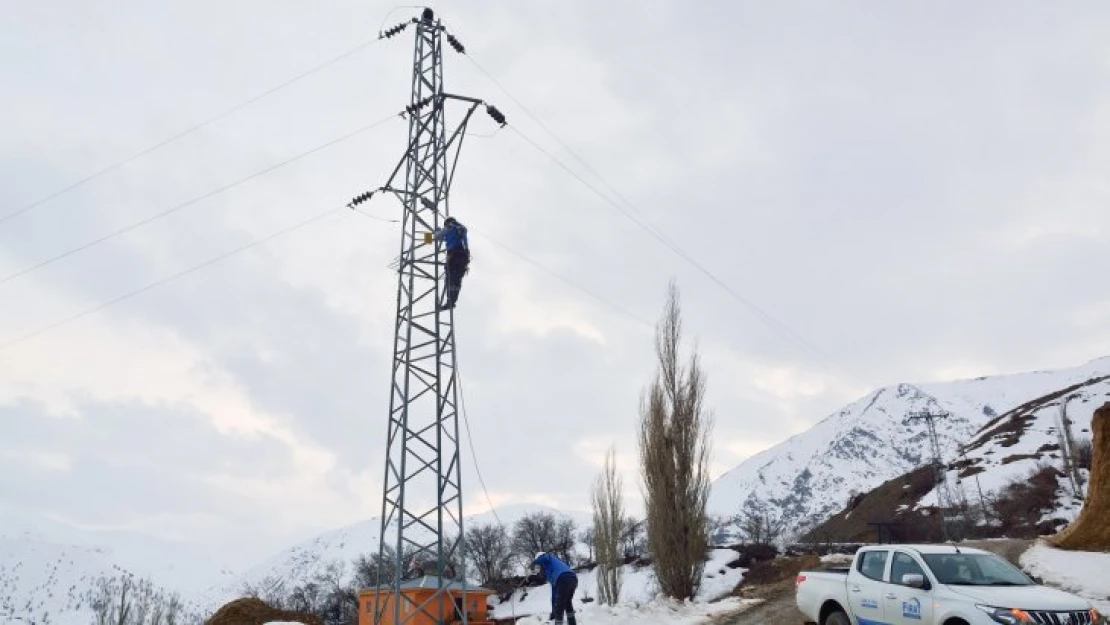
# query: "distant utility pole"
[422,496]
[1067,449]
[944,496]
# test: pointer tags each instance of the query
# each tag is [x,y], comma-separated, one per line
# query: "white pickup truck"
[934,585]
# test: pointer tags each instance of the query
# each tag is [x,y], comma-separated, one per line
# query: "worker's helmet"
[449,221]
[538,555]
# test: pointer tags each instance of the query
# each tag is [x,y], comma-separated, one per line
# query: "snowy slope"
[303,561]
[638,588]
[42,581]
[47,567]
[810,476]
[1081,572]
[1011,445]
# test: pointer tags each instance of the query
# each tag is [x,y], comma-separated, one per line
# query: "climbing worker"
[563,584]
[453,237]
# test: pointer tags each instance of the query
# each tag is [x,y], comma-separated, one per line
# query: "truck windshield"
[974,569]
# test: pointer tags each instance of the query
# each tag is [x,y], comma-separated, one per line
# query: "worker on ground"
[453,237]
[563,584]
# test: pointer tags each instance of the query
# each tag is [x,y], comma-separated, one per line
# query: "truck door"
[906,605]
[865,587]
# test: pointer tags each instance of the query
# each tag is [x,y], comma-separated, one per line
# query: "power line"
[657,233]
[767,318]
[548,270]
[188,131]
[474,454]
[170,278]
[174,209]
[570,282]
[550,132]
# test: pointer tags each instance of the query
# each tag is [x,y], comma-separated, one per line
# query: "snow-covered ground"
[298,564]
[659,612]
[639,597]
[1085,573]
[870,441]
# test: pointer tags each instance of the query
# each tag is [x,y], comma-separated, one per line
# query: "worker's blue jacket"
[453,237]
[552,567]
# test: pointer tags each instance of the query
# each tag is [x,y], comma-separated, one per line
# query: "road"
[777,608]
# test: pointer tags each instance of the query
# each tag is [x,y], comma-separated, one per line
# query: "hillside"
[1019,451]
[811,476]
[303,561]
[55,582]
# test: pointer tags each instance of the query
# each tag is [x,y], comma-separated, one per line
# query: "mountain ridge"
[870,441]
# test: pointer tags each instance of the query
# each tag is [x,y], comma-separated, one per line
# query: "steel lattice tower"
[422,497]
[944,495]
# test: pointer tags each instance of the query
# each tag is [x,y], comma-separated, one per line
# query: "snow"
[1084,573]
[301,562]
[39,578]
[659,612]
[809,476]
[639,597]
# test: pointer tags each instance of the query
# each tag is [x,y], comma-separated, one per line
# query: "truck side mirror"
[913,580]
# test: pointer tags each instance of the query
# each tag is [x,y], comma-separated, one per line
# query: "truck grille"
[1062,618]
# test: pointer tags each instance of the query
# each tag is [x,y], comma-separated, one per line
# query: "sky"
[879,192]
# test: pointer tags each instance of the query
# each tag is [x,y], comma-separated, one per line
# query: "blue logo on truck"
[911,609]
[869,603]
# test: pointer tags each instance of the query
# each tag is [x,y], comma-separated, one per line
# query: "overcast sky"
[918,192]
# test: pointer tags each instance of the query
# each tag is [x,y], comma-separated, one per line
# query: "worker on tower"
[453,237]
[563,584]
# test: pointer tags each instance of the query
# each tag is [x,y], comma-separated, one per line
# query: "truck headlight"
[1008,616]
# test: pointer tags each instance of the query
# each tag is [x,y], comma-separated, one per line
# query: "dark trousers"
[457,263]
[562,593]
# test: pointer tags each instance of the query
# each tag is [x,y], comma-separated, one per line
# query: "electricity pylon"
[422,497]
[940,469]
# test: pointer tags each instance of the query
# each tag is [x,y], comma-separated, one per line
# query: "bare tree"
[589,538]
[633,537]
[674,460]
[608,509]
[489,551]
[121,600]
[760,526]
[565,532]
[543,531]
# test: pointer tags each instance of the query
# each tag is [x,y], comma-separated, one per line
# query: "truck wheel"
[837,618]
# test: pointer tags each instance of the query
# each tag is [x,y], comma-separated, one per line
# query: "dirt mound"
[890,504]
[1091,532]
[252,611]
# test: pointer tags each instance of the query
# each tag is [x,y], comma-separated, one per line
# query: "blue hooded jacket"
[553,569]
[453,237]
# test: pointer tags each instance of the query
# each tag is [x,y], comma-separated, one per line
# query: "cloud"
[914,193]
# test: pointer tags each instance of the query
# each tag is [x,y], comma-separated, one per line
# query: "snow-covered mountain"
[51,582]
[303,561]
[49,570]
[810,476]
[1012,445]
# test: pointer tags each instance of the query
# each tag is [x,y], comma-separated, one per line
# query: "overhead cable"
[188,131]
[178,207]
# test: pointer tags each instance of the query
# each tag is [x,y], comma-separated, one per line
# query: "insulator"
[428,15]
[456,44]
[396,29]
[361,198]
[495,114]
